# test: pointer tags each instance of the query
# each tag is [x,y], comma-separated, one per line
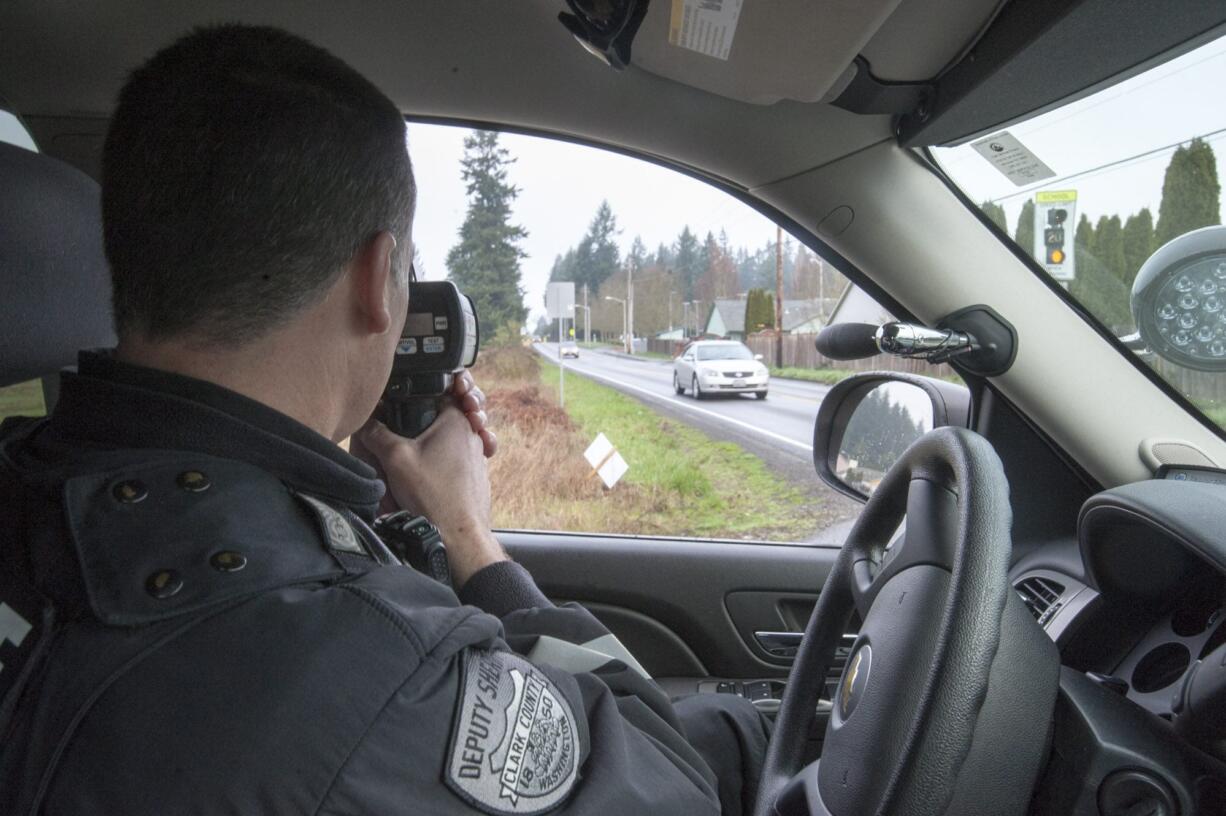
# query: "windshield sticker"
[705,26]
[1012,158]
[515,743]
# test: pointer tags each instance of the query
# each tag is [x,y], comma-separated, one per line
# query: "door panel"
[760,618]
[682,604]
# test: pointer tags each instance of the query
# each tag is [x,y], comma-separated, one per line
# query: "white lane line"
[680,404]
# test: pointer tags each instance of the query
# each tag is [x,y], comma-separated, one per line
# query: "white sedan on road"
[720,366]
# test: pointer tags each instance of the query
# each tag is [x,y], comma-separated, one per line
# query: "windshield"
[729,352]
[1093,189]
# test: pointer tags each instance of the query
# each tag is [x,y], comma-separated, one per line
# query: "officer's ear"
[371,274]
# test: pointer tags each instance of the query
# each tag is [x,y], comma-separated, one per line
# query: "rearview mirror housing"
[866,421]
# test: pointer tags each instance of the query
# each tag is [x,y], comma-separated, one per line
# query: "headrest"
[55,290]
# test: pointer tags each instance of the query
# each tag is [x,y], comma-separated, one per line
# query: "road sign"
[559,299]
[1055,223]
[605,460]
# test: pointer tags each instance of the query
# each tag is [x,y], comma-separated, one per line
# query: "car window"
[612,440]
[23,399]
[14,132]
[1117,196]
[737,352]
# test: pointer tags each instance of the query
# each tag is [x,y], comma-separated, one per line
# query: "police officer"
[218,629]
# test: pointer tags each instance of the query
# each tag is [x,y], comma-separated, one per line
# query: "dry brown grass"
[539,478]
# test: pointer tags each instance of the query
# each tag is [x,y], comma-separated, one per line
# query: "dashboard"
[1140,596]
[1137,606]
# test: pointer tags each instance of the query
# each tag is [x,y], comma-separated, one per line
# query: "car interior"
[1047,632]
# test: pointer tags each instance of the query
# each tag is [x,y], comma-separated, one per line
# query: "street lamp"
[623,303]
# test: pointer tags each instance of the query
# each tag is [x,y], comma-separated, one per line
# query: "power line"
[1061,180]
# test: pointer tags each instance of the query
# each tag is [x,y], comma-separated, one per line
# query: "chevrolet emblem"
[855,677]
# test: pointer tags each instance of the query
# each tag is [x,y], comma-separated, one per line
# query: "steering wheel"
[913,717]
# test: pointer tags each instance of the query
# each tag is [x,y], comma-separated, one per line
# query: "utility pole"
[623,303]
[630,305]
[587,318]
[670,310]
[779,296]
[821,289]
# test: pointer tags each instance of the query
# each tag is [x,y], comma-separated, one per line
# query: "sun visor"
[1041,53]
[759,53]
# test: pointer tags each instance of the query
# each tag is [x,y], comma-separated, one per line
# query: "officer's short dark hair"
[243,168]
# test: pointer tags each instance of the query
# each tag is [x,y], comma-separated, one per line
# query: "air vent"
[1041,596]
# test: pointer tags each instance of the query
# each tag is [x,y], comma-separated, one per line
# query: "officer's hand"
[442,475]
[471,401]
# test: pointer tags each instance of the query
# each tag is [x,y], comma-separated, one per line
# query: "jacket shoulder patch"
[514,742]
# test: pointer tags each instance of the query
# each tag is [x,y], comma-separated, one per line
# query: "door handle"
[779,644]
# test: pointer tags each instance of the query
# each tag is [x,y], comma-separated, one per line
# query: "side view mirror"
[1179,300]
[866,422]
[759,357]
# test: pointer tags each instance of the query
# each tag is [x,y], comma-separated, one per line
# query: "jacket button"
[228,561]
[129,492]
[193,481]
[164,584]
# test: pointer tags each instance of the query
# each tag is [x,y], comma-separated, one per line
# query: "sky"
[561,185]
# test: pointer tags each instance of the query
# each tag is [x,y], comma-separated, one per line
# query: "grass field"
[680,481]
[826,376]
[23,399]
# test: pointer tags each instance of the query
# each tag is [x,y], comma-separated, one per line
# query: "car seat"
[54,284]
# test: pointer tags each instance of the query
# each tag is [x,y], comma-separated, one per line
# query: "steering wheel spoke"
[913,705]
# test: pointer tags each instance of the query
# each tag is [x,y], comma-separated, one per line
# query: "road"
[778,430]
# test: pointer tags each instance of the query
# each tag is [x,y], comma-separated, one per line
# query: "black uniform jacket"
[196,618]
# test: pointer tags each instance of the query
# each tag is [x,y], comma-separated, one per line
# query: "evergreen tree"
[563,266]
[597,256]
[707,253]
[1102,292]
[1109,245]
[1024,234]
[759,311]
[1191,194]
[996,214]
[1084,237]
[664,255]
[485,262]
[879,432]
[686,261]
[636,257]
[1138,241]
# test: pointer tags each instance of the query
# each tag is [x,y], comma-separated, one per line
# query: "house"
[806,316]
[727,317]
[857,306]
